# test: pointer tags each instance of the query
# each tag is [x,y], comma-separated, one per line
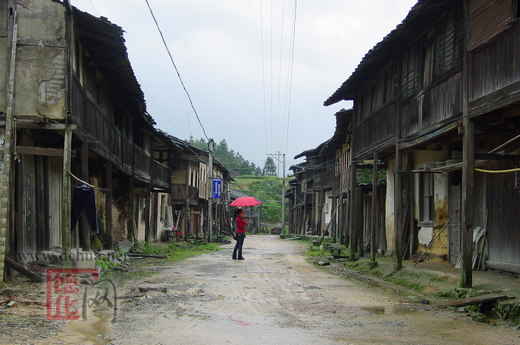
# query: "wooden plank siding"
[440,103]
[487,19]
[375,130]
[495,67]
[77,103]
[503,203]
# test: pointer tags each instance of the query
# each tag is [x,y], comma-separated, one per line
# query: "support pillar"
[67,199]
[353,238]
[375,213]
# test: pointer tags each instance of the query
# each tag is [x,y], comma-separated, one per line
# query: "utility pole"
[278,154]
[210,197]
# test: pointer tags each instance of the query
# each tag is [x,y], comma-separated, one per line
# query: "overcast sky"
[235,59]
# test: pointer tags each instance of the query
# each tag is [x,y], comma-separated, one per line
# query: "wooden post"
[411,206]
[187,207]
[108,206]
[375,212]
[468,171]
[7,233]
[85,234]
[333,220]
[131,221]
[398,195]
[340,227]
[353,212]
[398,205]
[66,199]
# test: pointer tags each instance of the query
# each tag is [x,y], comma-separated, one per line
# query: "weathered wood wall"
[503,203]
[495,67]
[438,104]
[375,130]
[487,19]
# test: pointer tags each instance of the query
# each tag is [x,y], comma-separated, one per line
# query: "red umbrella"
[245,201]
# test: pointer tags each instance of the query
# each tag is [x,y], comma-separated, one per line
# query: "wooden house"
[73,114]
[320,189]
[192,191]
[437,101]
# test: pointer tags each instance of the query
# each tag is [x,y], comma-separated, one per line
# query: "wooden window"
[426,199]
[411,71]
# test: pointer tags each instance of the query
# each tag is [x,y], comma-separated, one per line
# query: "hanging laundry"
[84,199]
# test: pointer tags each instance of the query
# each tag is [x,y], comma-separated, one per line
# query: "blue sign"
[217,188]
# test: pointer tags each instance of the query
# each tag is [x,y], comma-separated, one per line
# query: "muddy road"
[273,297]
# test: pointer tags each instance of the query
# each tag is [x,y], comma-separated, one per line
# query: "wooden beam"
[32,125]
[66,200]
[503,266]
[468,170]
[472,300]
[375,213]
[27,41]
[16,266]
[42,151]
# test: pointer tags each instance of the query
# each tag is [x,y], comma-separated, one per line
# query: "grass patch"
[181,251]
[316,253]
[411,281]
[176,251]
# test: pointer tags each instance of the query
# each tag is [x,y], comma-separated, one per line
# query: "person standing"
[240,235]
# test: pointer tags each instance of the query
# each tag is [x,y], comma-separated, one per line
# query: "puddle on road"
[389,310]
[94,331]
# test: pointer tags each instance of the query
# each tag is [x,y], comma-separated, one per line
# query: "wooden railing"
[179,192]
[161,175]
[141,163]
[324,180]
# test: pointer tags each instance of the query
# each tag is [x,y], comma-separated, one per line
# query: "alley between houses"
[273,297]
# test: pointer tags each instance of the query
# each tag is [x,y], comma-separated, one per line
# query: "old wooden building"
[319,192]
[73,116]
[437,101]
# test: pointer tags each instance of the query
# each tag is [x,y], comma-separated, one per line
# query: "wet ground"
[273,297]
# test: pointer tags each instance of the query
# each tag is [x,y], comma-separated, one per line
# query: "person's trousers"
[238,246]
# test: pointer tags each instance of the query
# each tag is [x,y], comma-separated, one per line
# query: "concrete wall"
[390,209]
[41,61]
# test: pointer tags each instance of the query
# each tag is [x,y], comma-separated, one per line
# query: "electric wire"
[263,72]
[280,77]
[95,10]
[176,70]
[162,111]
[291,68]
[271,77]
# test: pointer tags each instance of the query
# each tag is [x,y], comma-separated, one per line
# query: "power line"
[176,70]
[263,69]
[291,74]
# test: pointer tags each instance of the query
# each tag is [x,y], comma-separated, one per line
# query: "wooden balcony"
[377,129]
[161,175]
[325,180]
[181,192]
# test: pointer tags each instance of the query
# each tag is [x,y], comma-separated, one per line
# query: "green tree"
[200,143]
[230,159]
[269,167]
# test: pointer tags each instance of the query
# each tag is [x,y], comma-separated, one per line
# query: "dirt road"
[273,297]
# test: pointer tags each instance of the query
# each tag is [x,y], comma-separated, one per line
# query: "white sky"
[234,57]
